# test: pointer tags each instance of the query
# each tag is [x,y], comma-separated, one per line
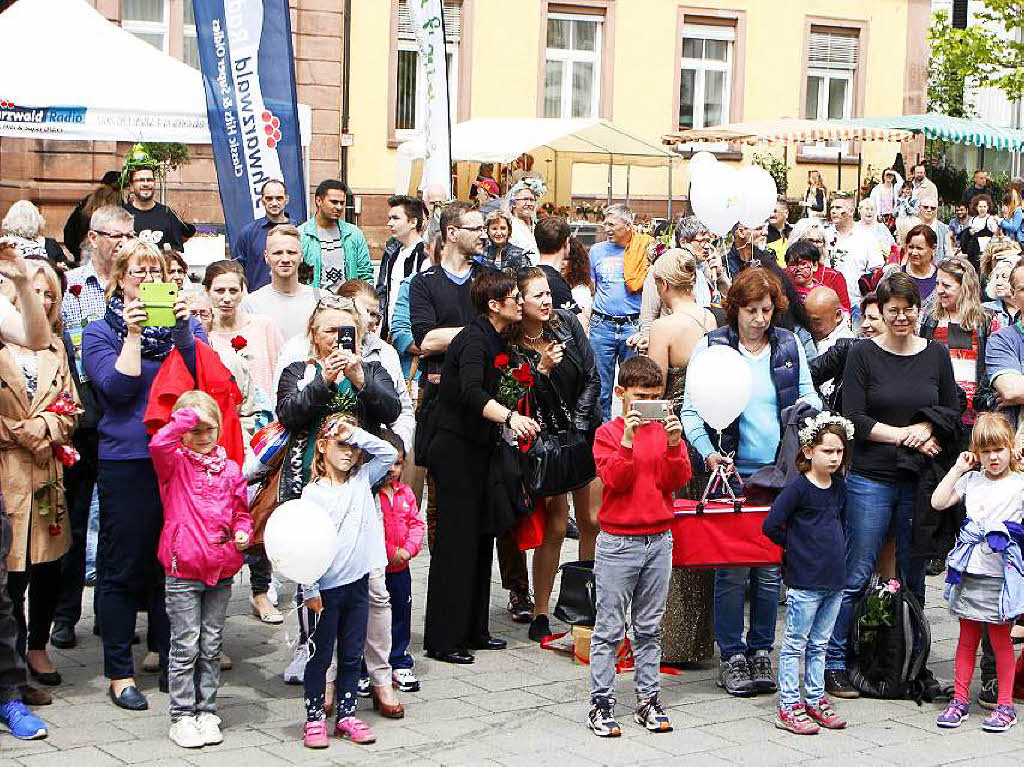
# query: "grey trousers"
[12,668]
[197,613]
[631,577]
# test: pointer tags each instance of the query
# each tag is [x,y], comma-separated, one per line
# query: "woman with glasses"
[800,263]
[813,231]
[177,268]
[889,382]
[121,358]
[499,252]
[1002,304]
[468,422]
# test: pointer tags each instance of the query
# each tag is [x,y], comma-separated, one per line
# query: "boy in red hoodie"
[641,464]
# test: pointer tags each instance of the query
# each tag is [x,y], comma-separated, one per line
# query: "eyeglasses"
[514,296]
[907,313]
[525,199]
[331,301]
[140,274]
[115,235]
[476,229]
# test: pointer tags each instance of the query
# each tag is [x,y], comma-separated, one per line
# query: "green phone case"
[158,298]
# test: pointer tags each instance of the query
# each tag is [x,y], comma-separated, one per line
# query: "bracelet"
[508,418]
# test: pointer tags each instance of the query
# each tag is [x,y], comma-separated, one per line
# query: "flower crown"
[814,426]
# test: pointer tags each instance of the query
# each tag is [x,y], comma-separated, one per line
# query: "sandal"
[269,615]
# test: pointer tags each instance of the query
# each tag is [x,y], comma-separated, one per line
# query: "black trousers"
[41,581]
[459,584]
[79,481]
[12,668]
[129,577]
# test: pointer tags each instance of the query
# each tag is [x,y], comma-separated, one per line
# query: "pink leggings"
[967,651]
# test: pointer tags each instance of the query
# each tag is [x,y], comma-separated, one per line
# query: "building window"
[705,77]
[148,20]
[411,90]
[572,67]
[190,38]
[831,67]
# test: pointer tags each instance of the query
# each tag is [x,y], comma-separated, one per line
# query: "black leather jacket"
[413,265]
[576,383]
[829,366]
[298,410]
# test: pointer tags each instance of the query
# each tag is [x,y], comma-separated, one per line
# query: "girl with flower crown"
[806,520]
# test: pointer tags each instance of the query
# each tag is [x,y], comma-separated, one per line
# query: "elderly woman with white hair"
[874,228]
[522,204]
[1002,305]
[24,222]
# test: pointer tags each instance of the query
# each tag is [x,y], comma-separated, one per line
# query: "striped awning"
[955,129]
[784,130]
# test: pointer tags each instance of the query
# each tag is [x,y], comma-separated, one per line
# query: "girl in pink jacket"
[403,536]
[206,525]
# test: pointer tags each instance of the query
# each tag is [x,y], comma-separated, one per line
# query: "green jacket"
[357,253]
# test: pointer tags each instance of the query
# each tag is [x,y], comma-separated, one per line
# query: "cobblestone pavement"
[523,706]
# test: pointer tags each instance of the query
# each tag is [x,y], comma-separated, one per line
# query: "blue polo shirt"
[248,249]
[1004,353]
[608,271]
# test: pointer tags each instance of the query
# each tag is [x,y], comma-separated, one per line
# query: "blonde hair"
[284,230]
[329,302]
[677,268]
[36,266]
[972,315]
[202,403]
[143,252]
[330,427]
[992,430]
[1000,248]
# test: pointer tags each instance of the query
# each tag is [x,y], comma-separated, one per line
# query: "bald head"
[824,311]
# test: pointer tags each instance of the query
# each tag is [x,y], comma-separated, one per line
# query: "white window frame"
[188,31]
[162,28]
[829,72]
[570,58]
[451,49]
[702,66]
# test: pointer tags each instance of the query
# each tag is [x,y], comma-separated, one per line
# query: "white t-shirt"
[853,255]
[990,501]
[289,311]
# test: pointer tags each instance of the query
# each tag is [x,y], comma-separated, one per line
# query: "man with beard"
[336,249]
[248,248]
[154,222]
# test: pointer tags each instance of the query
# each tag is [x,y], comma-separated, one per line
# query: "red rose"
[76,290]
[523,375]
[238,343]
[501,361]
[55,529]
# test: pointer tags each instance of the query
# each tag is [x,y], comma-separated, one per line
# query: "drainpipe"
[346,69]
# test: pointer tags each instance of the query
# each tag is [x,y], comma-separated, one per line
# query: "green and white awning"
[955,129]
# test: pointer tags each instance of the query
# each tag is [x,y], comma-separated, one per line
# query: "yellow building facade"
[651,67]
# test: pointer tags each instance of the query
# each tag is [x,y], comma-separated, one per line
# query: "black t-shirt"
[561,293]
[437,301]
[161,226]
[879,386]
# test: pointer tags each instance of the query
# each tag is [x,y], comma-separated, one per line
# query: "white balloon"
[715,198]
[300,541]
[757,195]
[699,163]
[719,384]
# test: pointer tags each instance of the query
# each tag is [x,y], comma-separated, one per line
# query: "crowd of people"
[489,333]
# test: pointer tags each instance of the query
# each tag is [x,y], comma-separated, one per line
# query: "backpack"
[887,660]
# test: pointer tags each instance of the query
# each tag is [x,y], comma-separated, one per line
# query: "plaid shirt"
[84,301]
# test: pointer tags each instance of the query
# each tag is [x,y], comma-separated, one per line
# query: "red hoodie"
[638,481]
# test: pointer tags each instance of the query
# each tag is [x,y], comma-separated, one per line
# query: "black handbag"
[577,598]
[559,462]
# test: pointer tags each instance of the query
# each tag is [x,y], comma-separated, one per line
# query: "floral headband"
[532,183]
[814,426]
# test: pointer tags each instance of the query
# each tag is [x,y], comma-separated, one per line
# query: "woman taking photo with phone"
[780,378]
[121,355]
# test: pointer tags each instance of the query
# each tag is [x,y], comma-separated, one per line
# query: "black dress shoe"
[163,683]
[63,636]
[455,656]
[490,643]
[49,678]
[130,698]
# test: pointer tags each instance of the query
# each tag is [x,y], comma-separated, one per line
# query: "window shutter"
[827,50]
[452,21]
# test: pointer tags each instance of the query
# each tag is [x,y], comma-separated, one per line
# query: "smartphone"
[158,300]
[653,409]
[347,338]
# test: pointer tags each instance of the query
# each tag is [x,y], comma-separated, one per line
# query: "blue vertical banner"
[245,53]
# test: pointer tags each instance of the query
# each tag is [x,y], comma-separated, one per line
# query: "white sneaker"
[405,680]
[185,732]
[296,671]
[209,728]
[272,593]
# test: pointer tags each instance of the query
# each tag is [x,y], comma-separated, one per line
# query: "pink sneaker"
[825,715]
[355,730]
[795,720]
[315,735]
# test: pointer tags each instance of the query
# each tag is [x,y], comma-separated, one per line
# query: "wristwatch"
[508,418]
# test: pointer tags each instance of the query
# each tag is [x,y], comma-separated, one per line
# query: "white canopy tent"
[566,142]
[104,84]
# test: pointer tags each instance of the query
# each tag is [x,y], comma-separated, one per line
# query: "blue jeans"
[400,588]
[810,615]
[92,536]
[609,341]
[730,595]
[874,510]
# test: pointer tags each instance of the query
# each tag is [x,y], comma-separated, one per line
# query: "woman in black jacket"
[466,421]
[567,396]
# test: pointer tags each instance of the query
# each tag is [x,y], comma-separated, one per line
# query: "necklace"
[530,338]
